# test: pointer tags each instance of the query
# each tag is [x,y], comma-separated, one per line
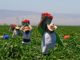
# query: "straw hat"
[17,27]
[51,27]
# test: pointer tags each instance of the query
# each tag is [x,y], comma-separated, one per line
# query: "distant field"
[13,49]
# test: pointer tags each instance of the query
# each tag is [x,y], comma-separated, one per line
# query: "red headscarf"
[48,15]
[13,25]
[26,21]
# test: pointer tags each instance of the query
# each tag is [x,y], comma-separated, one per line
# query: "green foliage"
[13,49]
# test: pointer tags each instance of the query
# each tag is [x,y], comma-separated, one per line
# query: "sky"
[55,6]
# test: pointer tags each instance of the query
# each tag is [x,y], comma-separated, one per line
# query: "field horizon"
[15,17]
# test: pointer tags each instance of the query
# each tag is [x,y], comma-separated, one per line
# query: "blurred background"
[65,12]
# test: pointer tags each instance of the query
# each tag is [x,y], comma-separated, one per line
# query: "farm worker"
[47,30]
[5,36]
[12,27]
[26,28]
[16,32]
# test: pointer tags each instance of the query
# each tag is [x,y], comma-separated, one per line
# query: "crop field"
[13,49]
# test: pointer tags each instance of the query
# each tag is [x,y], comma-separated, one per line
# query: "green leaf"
[59,41]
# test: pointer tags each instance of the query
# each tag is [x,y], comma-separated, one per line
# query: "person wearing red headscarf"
[48,34]
[12,27]
[16,32]
[26,29]
[47,30]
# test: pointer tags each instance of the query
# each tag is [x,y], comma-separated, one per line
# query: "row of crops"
[13,49]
